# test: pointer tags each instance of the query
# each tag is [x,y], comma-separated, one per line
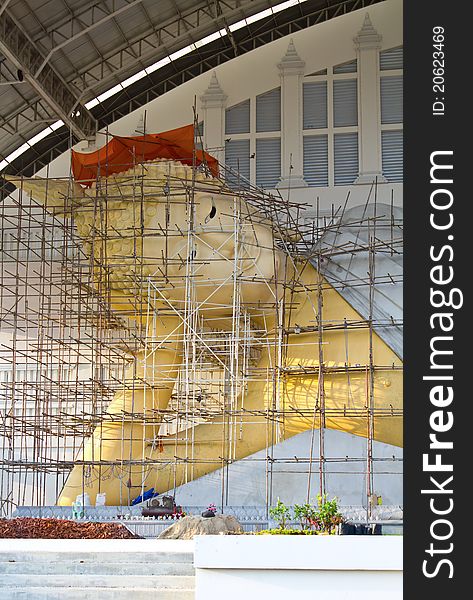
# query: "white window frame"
[253,135]
[331,130]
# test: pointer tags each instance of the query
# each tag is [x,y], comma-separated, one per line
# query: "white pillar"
[367,46]
[291,70]
[213,102]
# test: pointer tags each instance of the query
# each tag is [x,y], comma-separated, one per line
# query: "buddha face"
[187,237]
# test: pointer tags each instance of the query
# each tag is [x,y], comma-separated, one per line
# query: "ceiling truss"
[18,48]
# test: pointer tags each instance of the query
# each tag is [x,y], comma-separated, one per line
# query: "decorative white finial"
[367,24]
[214,84]
[367,37]
[291,60]
[291,52]
[213,95]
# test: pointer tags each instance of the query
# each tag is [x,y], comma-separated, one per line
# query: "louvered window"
[237,118]
[391,100]
[391,59]
[345,158]
[268,111]
[315,105]
[345,103]
[316,160]
[392,152]
[348,67]
[321,72]
[237,159]
[268,162]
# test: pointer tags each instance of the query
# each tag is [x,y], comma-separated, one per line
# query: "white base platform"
[302,568]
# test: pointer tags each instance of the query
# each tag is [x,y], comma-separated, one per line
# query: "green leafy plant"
[322,518]
[287,532]
[280,513]
[327,515]
[305,514]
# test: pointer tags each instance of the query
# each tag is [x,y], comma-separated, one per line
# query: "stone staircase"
[96,570]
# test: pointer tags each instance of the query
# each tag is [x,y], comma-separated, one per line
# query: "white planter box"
[302,567]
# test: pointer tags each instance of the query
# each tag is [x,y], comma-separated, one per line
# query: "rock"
[187,527]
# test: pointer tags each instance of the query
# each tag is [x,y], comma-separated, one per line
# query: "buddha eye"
[211,215]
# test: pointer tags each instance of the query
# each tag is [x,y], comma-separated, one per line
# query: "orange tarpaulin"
[121,153]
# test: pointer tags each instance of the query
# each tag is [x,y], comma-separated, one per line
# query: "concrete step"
[97,593]
[102,567]
[95,557]
[156,582]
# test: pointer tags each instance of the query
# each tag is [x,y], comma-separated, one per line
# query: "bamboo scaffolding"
[65,352]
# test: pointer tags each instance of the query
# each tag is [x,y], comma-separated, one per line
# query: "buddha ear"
[57,195]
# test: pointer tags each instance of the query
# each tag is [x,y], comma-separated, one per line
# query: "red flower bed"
[26,527]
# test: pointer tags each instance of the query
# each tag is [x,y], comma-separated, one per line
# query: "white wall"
[303,568]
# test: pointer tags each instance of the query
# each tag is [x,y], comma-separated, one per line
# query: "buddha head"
[165,225]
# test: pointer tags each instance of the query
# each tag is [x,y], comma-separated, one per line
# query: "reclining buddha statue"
[180,252]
